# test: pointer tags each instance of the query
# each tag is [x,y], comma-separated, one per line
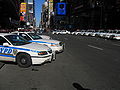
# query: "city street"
[90,62]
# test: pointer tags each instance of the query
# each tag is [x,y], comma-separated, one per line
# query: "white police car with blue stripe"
[17,49]
[55,45]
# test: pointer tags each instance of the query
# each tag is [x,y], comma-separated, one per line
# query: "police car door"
[6,53]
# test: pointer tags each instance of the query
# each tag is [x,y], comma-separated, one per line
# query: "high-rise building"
[54,14]
[31,13]
[9,14]
[94,14]
[44,15]
[27,14]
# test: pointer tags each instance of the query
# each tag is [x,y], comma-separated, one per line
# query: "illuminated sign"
[51,1]
[21,18]
[23,7]
[50,5]
[61,8]
[22,11]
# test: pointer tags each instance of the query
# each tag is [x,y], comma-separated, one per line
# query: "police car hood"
[45,36]
[36,46]
[49,41]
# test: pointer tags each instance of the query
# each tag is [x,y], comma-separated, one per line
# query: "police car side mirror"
[5,44]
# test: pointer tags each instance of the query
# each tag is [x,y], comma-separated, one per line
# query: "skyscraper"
[27,13]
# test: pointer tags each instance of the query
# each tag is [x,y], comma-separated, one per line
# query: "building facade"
[9,14]
[27,14]
[44,15]
[54,15]
[94,14]
[81,14]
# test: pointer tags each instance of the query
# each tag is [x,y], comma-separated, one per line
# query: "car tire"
[24,60]
[111,37]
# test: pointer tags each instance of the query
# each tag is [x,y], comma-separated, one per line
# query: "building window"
[30,1]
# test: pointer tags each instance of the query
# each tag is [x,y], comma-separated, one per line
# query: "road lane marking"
[95,47]
[116,45]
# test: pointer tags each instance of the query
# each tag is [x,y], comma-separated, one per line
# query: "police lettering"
[5,50]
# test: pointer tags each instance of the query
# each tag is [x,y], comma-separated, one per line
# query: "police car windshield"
[17,40]
[34,36]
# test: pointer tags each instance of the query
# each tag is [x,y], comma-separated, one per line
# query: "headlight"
[61,43]
[50,51]
[42,53]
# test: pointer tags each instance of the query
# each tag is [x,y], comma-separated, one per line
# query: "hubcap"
[23,61]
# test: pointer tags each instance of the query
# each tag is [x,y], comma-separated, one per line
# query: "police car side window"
[15,33]
[2,40]
[25,36]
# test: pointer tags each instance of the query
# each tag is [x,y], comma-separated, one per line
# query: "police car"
[17,49]
[55,45]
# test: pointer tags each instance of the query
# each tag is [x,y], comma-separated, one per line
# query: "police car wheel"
[24,60]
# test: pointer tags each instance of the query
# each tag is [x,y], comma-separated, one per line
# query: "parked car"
[89,32]
[55,45]
[56,31]
[109,34]
[116,36]
[82,32]
[17,49]
[97,34]
[75,32]
[64,32]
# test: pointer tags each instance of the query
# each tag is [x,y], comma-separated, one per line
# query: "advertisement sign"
[51,1]
[21,18]
[61,8]
[50,5]
[22,11]
[23,7]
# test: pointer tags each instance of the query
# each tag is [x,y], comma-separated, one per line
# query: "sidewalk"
[1,64]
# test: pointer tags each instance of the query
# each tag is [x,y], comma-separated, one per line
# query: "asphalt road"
[87,62]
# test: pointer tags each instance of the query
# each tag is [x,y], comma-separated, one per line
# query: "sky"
[38,8]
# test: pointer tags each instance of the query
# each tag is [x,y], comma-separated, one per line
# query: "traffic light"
[61,8]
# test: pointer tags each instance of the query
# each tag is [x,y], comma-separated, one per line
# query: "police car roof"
[4,34]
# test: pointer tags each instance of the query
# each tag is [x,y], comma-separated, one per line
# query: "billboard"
[61,8]
[22,11]
[51,1]
[50,5]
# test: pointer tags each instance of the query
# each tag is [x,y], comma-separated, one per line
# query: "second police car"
[17,49]
[55,45]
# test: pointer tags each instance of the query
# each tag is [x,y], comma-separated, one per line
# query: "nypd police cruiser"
[55,45]
[17,49]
